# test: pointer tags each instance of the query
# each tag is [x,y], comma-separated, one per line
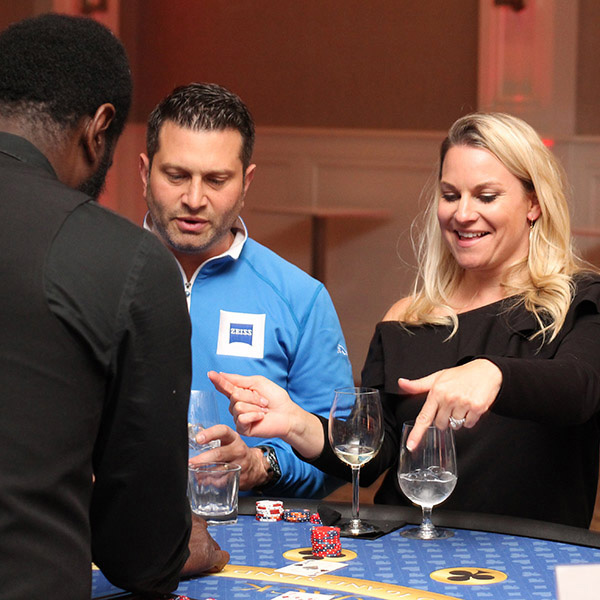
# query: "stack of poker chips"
[325,541]
[315,519]
[269,510]
[299,515]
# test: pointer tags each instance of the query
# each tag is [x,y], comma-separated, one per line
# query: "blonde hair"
[543,282]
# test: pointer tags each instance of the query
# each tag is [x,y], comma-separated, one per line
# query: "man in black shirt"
[94,338]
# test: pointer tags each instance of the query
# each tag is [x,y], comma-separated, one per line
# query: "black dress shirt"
[94,381]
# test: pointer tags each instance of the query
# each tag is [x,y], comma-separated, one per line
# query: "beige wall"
[385,64]
[587,121]
[345,66]
[11,11]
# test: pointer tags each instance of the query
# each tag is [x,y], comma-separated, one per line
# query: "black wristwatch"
[273,469]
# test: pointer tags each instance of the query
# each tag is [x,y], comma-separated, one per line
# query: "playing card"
[312,568]
[303,596]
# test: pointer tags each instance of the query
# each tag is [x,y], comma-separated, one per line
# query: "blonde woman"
[500,339]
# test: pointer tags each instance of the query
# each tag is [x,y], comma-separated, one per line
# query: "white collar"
[240,236]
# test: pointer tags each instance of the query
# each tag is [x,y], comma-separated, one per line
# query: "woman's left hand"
[464,392]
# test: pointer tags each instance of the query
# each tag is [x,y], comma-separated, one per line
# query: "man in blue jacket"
[252,312]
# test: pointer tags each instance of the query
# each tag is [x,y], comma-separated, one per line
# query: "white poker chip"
[269,510]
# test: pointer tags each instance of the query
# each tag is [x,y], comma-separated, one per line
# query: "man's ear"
[144,168]
[94,135]
[248,177]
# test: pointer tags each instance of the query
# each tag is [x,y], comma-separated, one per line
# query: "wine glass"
[355,434]
[427,476]
[203,412]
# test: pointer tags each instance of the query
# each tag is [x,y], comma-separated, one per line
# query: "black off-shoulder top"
[535,453]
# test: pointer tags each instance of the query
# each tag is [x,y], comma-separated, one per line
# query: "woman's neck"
[475,291]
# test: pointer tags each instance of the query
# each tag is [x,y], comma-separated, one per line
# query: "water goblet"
[427,476]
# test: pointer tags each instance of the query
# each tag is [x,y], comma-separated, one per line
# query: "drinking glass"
[203,412]
[213,491]
[355,434]
[427,476]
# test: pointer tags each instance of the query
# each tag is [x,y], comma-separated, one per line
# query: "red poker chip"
[325,544]
[325,541]
[325,530]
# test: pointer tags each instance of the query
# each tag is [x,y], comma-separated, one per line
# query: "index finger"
[239,395]
[238,387]
[423,421]
[220,382]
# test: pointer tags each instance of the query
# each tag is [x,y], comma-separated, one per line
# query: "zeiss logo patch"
[240,333]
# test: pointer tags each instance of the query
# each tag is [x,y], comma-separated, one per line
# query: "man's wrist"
[271,466]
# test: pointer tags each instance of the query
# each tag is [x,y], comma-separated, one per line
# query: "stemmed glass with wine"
[427,476]
[356,434]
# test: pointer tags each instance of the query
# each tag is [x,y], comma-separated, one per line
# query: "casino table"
[488,558]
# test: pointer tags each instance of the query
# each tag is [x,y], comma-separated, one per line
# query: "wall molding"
[369,263]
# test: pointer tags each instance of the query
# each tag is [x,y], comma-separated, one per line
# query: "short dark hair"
[202,106]
[63,68]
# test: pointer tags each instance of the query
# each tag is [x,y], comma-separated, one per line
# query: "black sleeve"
[140,513]
[563,390]
[121,294]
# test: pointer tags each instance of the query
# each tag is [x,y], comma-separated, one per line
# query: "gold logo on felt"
[468,576]
[348,586]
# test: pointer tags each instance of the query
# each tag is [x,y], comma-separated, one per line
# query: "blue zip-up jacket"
[254,313]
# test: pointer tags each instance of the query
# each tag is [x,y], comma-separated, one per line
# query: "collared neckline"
[232,253]
[23,150]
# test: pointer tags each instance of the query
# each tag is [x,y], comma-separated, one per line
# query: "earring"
[531,224]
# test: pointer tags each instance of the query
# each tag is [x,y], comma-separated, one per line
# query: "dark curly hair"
[202,106]
[59,68]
